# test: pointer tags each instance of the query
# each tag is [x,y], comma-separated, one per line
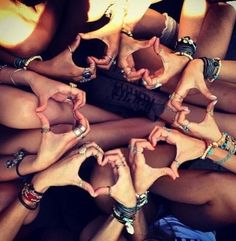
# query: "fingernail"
[213,97]
[215,102]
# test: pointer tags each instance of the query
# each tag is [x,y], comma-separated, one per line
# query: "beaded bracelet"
[22,63]
[185,47]
[29,194]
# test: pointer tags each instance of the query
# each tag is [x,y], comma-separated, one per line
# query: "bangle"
[22,63]
[185,47]
[29,194]
[11,75]
[29,60]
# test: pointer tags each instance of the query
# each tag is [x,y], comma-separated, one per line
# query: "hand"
[172,65]
[45,88]
[207,129]
[62,66]
[126,62]
[111,39]
[66,171]
[187,148]
[122,191]
[143,174]
[192,78]
[53,146]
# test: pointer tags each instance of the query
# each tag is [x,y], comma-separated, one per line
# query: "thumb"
[75,44]
[174,167]
[102,191]
[156,46]
[205,91]
[43,102]
[211,107]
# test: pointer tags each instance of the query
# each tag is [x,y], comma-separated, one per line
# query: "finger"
[156,46]
[87,187]
[148,43]
[174,167]
[176,99]
[44,120]
[75,44]
[155,136]
[181,119]
[206,92]
[43,102]
[102,191]
[135,75]
[166,171]
[79,100]
[211,107]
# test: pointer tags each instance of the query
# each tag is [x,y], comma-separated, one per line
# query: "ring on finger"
[82,150]
[157,84]
[86,75]
[79,130]
[45,130]
[185,127]
[177,163]
[80,183]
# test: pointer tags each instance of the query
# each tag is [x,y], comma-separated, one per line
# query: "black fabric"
[111,92]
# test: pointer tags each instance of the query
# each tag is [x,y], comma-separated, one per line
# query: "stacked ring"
[79,130]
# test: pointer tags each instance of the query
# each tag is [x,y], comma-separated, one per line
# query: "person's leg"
[108,135]
[202,199]
[19,112]
[216,31]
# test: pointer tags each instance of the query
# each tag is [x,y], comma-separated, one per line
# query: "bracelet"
[18,157]
[124,215]
[185,47]
[127,32]
[142,199]
[29,194]
[11,75]
[37,57]
[22,63]
[2,67]
[212,67]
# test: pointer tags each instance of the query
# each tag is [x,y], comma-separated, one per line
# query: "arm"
[52,147]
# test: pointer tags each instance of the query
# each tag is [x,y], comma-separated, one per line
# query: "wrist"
[39,183]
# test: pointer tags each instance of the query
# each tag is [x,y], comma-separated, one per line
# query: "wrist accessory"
[142,199]
[17,159]
[11,75]
[29,198]
[22,63]
[169,33]
[185,47]
[212,67]
[124,215]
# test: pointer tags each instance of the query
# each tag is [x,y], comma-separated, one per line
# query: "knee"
[224,11]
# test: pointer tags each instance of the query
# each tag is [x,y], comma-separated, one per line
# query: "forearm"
[191,19]
[25,167]
[140,227]
[226,73]
[111,230]
[11,220]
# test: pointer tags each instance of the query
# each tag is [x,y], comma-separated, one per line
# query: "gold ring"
[45,130]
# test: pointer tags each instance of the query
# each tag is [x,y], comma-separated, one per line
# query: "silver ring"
[185,127]
[82,150]
[45,130]
[79,130]
[157,85]
[86,75]
[177,163]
